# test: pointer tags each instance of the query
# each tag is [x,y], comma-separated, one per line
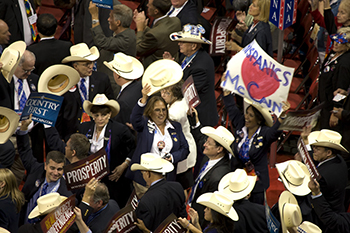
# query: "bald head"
[4,33]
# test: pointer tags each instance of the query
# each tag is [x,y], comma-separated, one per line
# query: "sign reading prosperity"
[122,221]
[218,35]
[253,74]
[61,219]
[133,200]
[44,108]
[80,173]
[304,153]
[170,225]
[190,93]
[283,13]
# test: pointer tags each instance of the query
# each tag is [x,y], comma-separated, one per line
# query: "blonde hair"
[264,6]
[11,188]
[345,4]
[346,33]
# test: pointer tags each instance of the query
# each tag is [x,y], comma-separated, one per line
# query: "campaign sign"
[133,200]
[190,93]
[44,108]
[170,225]
[78,174]
[108,4]
[61,219]
[122,221]
[273,225]
[283,13]
[254,75]
[218,35]
[304,153]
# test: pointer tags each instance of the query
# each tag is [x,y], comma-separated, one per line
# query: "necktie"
[21,95]
[171,10]
[184,63]
[44,189]
[196,182]
[83,91]
[32,25]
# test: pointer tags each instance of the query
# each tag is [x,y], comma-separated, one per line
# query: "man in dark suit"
[185,10]
[151,43]
[91,83]
[162,197]
[48,51]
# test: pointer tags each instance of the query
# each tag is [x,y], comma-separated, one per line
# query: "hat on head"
[46,204]
[308,227]
[81,52]
[237,185]
[340,38]
[58,79]
[329,138]
[11,57]
[264,112]
[295,177]
[101,99]
[126,66]
[153,162]
[220,203]
[8,123]
[220,135]
[190,33]
[289,211]
[162,74]
[312,137]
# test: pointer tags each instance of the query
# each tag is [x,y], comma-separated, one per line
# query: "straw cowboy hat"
[220,135]
[289,211]
[237,185]
[264,112]
[46,204]
[81,52]
[295,177]
[8,123]
[329,138]
[3,230]
[162,74]
[101,99]
[309,227]
[190,33]
[10,58]
[220,203]
[58,79]
[312,137]
[153,162]
[126,66]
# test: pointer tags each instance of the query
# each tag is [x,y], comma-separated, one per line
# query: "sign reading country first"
[44,108]
[78,174]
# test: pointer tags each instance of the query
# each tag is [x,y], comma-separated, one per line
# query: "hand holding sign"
[314,186]
[26,123]
[141,225]
[90,190]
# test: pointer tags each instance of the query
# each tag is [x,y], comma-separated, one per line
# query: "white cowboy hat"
[237,185]
[220,135]
[220,203]
[329,138]
[11,57]
[46,204]
[126,66]
[312,137]
[101,99]
[295,177]
[289,211]
[3,230]
[309,227]
[58,79]
[190,33]
[162,74]
[264,112]
[153,162]
[81,52]
[8,123]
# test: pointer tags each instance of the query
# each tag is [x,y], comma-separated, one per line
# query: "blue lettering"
[234,81]
[285,73]
[263,101]
[258,61]
[278,106]
[265,67]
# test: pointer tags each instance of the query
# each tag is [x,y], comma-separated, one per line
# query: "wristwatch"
[95,21]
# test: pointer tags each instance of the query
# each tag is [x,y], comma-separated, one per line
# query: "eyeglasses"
[27,71]
[165,92]
[86,64]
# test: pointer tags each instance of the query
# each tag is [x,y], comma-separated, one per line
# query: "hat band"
[87,55]
[122,70]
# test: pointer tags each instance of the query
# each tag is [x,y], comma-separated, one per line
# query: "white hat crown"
[80,50]
[294,174]
[48,202]
[239,181]
[122,62]
[291,215]
[100,99]
[331,136]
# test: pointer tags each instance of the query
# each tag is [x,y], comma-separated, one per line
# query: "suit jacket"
[260,144]
[122,145]
[70,113]
[161,199]
[5,90]
[203,72]
[188,14]
[33,87]
[153,42]
[262,34]
[35,174]
[127,100]
[8,214]
[45,49]
[145,130]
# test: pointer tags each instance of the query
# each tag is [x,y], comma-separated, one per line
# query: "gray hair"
[124,14]
[101,193]
[27,55]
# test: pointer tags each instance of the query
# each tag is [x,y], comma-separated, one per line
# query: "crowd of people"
[122,92]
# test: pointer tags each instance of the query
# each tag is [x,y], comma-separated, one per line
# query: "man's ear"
[118,23]
[220,149]
[74,153]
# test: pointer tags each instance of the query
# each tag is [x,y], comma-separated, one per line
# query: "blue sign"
[283,13]
[273,225]
[108,4]
[44,108]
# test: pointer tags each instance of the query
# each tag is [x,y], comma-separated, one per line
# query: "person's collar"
[47,38]
[156,181]
[125,85]
[324,161]
[181,7]
[157,19]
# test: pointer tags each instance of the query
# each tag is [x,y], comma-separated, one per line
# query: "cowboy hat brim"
[330,145]
[36,213]
[285,197]
[264,112]
[224,187]
[179,36]
[11,125]
[94,55]
[173,68]
[134,74]
[72,77]
[300,190]
[211,132]
[19,46]
[112,104]
[309,227]
[164,167]
[204,199]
